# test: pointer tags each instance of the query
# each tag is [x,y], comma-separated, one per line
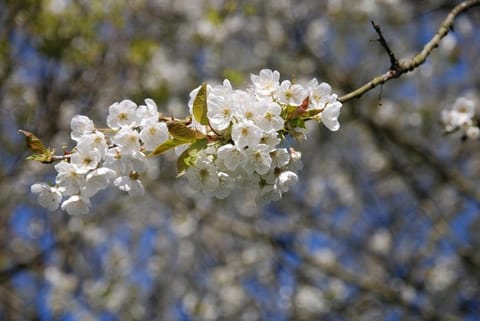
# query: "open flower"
[122,114]
[86,159]
[245,134]
[48,196]
[153,134]
[76,205]
[81,125]
[266,82]
[203,176]
[289,94]
[329,116]
[97,180]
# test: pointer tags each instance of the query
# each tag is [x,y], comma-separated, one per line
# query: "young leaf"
[186,159]
[200,105]
[180,131]
[297,111]
[46,157]
[311,112]
[167,145]
[289,112]
[297,123]
[182,166]
[41,153]
[33,143]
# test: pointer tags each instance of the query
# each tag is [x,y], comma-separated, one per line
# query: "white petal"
[330,114]
[76,205]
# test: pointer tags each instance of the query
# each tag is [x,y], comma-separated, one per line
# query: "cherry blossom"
[231,138]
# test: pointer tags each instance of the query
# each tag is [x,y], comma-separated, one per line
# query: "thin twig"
[394,63]
[412,63]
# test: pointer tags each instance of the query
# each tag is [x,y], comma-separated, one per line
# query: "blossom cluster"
[232,137]
[99,160]
[461,117]
[253,124]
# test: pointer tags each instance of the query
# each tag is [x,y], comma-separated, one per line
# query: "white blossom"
[268,193]
[245,134]
[329,116]
[320,94]
[95,140]
[280,157]
[231,156]
[129,184]
[472,132]
[221,111]
[464,106]
[286,180]
[85,159]
[203,176]
[97,180]
[291,94]
[122,114]
[461,117]
[153,133]
[270,138]
[148,112]
[225,185]
[295,160]
[76,205]
[69,178]
[258,159]
[127,139]
[271,119]
[81,125]
[242,142]
[48,196]
[266,82]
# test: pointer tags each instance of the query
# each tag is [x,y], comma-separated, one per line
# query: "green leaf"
[311,112]
[297,123]
[181,131]
[292,112]
[41,153]
[33,142]
[200,105]
[187,158]
[167,145]
[288,112]
[43,158]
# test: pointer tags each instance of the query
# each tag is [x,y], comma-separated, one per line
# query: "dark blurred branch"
[372,286]
[445,173]
[440,228]
[8,273]
[334,269]
[412,63]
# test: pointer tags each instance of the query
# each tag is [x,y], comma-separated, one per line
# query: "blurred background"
[383,224]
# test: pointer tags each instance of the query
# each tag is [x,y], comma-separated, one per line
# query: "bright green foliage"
[180,131]
[188,157]
[169,144]
[200,105]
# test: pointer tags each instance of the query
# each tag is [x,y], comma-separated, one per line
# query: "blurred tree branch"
[445,173]
[330,268]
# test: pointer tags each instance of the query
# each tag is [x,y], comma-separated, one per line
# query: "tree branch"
[412,63]
[394,63]
[334,269]
[444,172]
[8,273]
